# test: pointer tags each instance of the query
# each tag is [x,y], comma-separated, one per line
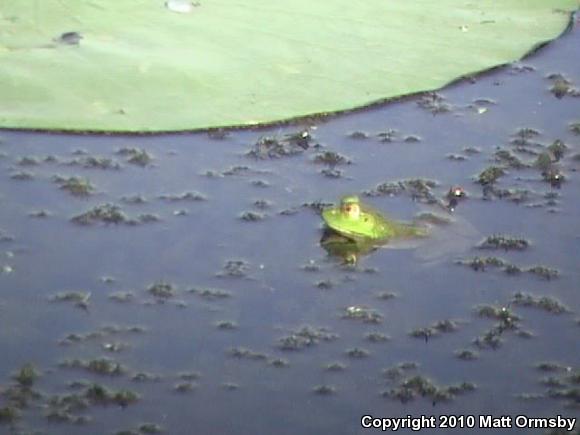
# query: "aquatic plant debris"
[357,353]
[245,353]
[437,328]
[76,186]
[80,299]
[304,337]
[103,332]
[95,162]
[545,303]
[110,214]
[186,196]
[99,366]
[364,314]
[466,354]
[420,386]
[210,293]
[504,242]
[100,395]
[561,383]
[562,86]
[234,269]
[434,103]
[142,67]
[273,147]
[507,321]
[418,189]
[136,156]
[162,290]
[490,175]
[27,375]
[480,264]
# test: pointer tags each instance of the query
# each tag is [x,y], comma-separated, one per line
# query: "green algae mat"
[144,66]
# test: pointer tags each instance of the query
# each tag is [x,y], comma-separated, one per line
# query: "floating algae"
[437,328]
[245,353]
[105,213]
[122,296]
[388,135]
[210,293]
[22,176]
[490,175]
[9,415]
[335,367]
[79,299]
[136,156]
[99,366]
[332,159]
[418,189]
[186,196]
[357,353]
[278,362]
[230,386]
[376,337]
[364,314]
[561,86]
[184,387]
[189,375]
[76,186]
[507,321]
[305,337]
[272,147]
[506,243]
[434,103]
[95,162]
[508,159]
[226,325]
[466,354]
[100,395]
[420,386]
[162,290]
[234,269]
[252,216]
[27,375]
[545,303]
[324,390]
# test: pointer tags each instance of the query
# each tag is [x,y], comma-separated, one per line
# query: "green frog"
[359,222]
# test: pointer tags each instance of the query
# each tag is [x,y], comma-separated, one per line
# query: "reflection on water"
[344,248]
[215,307]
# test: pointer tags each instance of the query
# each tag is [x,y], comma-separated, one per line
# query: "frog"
[361,223]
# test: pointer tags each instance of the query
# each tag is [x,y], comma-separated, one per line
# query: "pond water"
[199,292]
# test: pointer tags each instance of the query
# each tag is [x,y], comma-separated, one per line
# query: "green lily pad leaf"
[138,66]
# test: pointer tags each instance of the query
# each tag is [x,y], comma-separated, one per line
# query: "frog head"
[350,207]
[348,218]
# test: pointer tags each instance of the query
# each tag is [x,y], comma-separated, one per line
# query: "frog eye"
[348,208]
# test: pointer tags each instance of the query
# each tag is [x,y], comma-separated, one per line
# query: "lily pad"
[136,66]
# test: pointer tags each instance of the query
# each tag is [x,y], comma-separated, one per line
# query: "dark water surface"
[275,295]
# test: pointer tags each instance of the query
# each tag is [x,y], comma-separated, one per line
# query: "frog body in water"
[357,221]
